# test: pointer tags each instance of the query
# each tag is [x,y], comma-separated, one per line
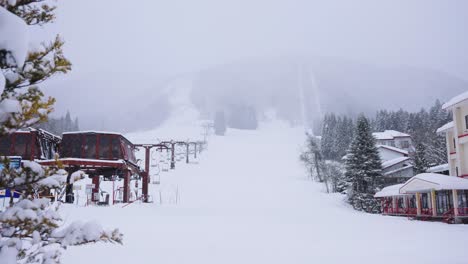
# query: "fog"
[125,53]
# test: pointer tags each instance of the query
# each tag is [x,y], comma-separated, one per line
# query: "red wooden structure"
[34,144]
[98,154]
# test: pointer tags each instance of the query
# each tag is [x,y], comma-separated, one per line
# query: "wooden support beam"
[126,194]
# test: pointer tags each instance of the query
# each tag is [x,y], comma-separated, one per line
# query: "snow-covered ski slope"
[247,200]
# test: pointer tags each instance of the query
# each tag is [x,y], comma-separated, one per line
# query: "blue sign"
[15,163]
[7,193]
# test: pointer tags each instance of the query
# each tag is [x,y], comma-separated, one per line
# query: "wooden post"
[433,203]
[172,155]
[455,202]
[418,204]
[126,193]
[394,205]
[195,152]
[95,192]
[146,175]
[188,150]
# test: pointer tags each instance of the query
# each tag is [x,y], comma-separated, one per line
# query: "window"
[425,200]
[466,122]
[412,202]
[400,202]
[22,144]
[130,152]
[463,201]
[104,147]
[391,143]
[405,144]
[89,148]
[116,147]
[5,144]
[444,201]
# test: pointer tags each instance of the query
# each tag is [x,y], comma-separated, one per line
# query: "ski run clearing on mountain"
[247,200]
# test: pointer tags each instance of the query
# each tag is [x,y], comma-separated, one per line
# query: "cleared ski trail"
[248,201]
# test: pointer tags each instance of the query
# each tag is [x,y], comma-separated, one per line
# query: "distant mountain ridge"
[329,85]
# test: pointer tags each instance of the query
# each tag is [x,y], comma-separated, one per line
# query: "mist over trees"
[59,125]
[337,134]
[242,116]
[330,85]
[422,126]
[219,123]
[337,131]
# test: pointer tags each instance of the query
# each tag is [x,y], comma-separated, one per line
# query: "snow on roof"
[392,190]
[438,168]
[119,161]
[95,132]
[455,100]
[445,127]
[432,181]
[389,134]
[399,150]
[393,162]
[92,132]
[389,173]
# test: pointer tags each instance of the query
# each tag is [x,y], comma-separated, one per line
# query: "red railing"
[462,211]
[426,211]
[400,211]
[412,211]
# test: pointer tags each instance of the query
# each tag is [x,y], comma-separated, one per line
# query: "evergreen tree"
[420,162]
[328,136]
[363,169]
[345,131]
[76,124]
[39,65]
[31,229]
[220,123]
[68,123]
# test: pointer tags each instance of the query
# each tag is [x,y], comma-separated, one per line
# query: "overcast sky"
[121,45]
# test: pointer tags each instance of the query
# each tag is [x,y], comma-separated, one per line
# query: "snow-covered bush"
[31,229]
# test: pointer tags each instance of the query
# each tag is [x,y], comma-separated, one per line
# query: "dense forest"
[337,131]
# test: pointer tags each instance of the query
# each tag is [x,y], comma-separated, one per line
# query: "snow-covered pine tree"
[329,137]
[363,169]
[344,136]
[68,126]
[420,162]
[24,70]
[31,229]
[219,123]
[76,125]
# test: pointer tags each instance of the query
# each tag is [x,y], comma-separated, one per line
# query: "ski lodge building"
[433,195]
[395,139]
[396,164]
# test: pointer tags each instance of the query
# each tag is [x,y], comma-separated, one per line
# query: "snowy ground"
[248,201]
